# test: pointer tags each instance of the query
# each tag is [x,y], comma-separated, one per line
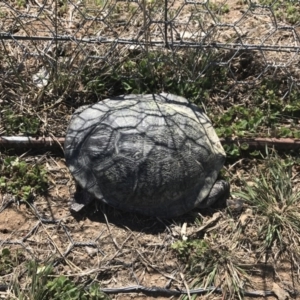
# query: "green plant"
[212,264]
[92,3]
[292,13]
[2,14]
[266,117]
[223,9]
[35,287]
[9,259]
[292,104]
[62,7]
[42,285]
[63,288]
[284,10]
[132,8]
[157,71]
[19,123]
[267,2]
[232,151]
[269,94]
[274,198]
[240,121]
[21,3]
[22,179]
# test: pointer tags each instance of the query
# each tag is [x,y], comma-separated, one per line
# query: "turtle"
[153,154]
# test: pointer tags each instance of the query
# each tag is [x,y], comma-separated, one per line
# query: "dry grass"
[42,82]
[225,249]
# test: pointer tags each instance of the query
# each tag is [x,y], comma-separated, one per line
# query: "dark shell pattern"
[153,154]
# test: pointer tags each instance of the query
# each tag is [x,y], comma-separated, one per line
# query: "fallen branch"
[26,143]
[262,143]
[54,144]
[157,291]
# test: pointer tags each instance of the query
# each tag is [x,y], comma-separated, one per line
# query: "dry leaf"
[280,292]
[244,217]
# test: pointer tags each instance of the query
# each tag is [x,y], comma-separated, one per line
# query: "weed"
[224,9]
[274,198]
[269,92]
[284,10]
[63,6]
[132,8]
[154,5]
[270,111]
[22,179]
[13,123]
[292,105]
[292,13]
[21,3]
[157,71]
[42,285]
[9,260]
[232,151]
[212,264]
[63,81]
[288,132]
[3,14]
[36,287]
[63,288]
[278,107]
[267,2]
[240,121]
[98,3]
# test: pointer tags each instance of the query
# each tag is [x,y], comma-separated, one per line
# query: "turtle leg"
[219,191]
[81,199]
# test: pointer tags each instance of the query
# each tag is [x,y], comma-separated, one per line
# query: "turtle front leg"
[80,199]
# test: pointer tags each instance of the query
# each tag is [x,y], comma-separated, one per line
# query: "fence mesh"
[245,40]
[58,54]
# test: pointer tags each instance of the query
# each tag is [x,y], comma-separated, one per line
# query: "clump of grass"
[35,287]
[22,179]
[240,121]
[274,198]
[223,9]
[21,3]
[9,260]
[284,10]
[156,71]
[212,265]
[271,116]
[41,284]
[16,123]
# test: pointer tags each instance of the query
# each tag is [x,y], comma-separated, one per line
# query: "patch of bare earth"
[115,248]
[120,249]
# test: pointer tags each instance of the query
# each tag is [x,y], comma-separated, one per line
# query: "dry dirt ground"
[120,249]
[115,248]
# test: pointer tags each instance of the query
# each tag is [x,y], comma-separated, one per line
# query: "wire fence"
[56,52]
[59,53]
[248,39]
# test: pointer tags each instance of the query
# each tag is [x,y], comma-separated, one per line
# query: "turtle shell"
[153,154]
